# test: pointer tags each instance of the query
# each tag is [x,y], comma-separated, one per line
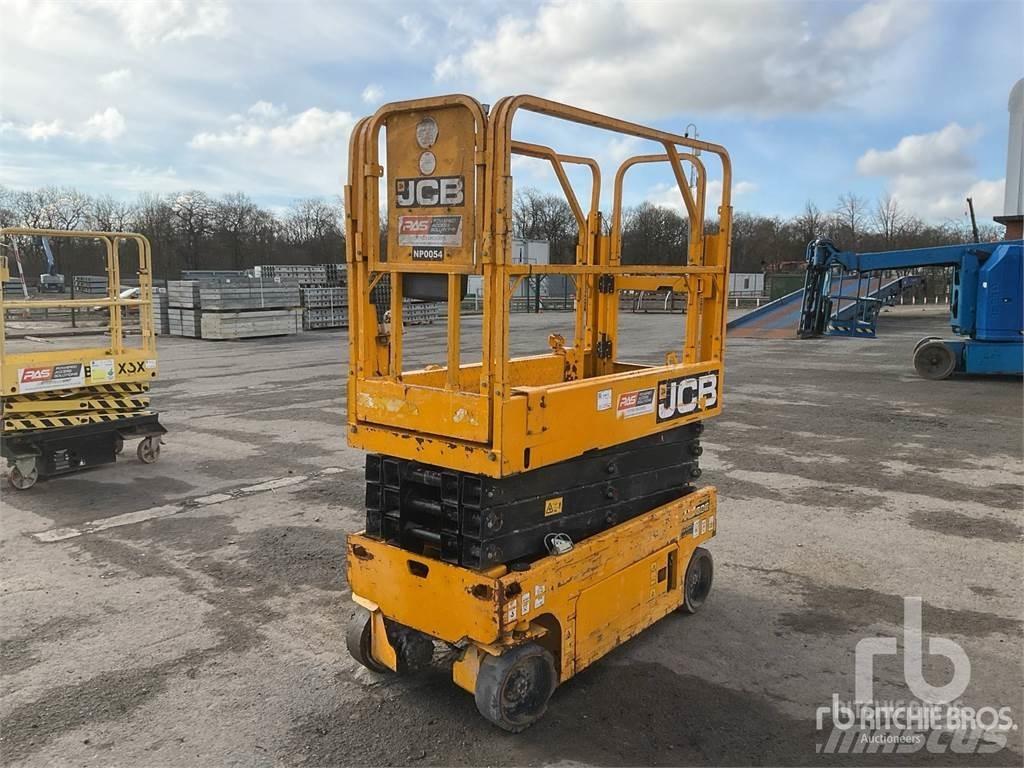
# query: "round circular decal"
[426,132]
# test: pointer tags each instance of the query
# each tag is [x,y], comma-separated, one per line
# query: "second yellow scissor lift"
[535,512]
[73,406]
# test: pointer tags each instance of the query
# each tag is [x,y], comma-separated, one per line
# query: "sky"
[812,99]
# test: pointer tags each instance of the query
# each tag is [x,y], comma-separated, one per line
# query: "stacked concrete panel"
[90,285]
[161,315]
[233,307]
[324,307]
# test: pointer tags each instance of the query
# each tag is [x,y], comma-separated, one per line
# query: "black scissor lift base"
[43,453]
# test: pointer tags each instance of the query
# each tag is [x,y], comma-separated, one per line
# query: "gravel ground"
[213,635]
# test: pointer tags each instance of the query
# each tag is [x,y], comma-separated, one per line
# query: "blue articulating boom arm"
[987,306]
[822,255]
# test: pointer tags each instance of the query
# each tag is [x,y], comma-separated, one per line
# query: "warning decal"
[430,230]
[101,371]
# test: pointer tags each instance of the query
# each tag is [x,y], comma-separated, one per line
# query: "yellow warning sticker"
[553,507]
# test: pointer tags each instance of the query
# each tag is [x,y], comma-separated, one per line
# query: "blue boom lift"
[986,306]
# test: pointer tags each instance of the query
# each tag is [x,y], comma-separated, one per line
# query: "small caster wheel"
[699,575]
[357,638]
[512,690]
[148,450]
[415,650]
[22,481]
[118,444]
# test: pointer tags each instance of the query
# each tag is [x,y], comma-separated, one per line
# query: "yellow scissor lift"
[70,408]
[531,512]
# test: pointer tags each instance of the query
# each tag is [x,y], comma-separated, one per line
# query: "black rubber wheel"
[148,450]
[415,650]
[699,575]
[118,444]
[23,481]
[512,690]
[934,360]
[357,638]
[925,340]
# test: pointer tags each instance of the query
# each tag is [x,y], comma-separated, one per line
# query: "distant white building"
[746,283]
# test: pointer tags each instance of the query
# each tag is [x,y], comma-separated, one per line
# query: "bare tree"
[539,216]
[851,214]
[108,214]
[888,218]
[193,215]
[811,222]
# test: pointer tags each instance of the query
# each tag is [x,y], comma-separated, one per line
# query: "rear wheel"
[512,690]
[934,360]
[925,340]
[699,575]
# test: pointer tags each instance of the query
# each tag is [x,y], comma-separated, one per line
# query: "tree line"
[192,230]
[187,230]
[653,234]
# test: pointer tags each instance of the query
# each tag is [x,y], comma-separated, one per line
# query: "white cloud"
[151,23]
[106,126]
[932,174]
[669,196]
[373,94]
[302,133]
[414,26]
[661,58]
[115,79]
[264,110]
[945,149]
[40,131]
[877,24]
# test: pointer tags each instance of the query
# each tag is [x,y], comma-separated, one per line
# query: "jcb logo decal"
[430,192]
[131,368]
[687,394]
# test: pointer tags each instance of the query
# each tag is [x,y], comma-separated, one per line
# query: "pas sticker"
[43,378]
[635,403]
[430,230]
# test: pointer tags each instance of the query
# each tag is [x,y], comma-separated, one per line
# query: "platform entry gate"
[436,208]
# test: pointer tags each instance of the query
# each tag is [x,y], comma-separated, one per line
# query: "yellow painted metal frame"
[579,605]
[502,415]
[131,365]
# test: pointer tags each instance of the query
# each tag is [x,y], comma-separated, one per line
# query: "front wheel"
[512,690]
[148,450]
[22,481]
[934,360]
[699,575]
